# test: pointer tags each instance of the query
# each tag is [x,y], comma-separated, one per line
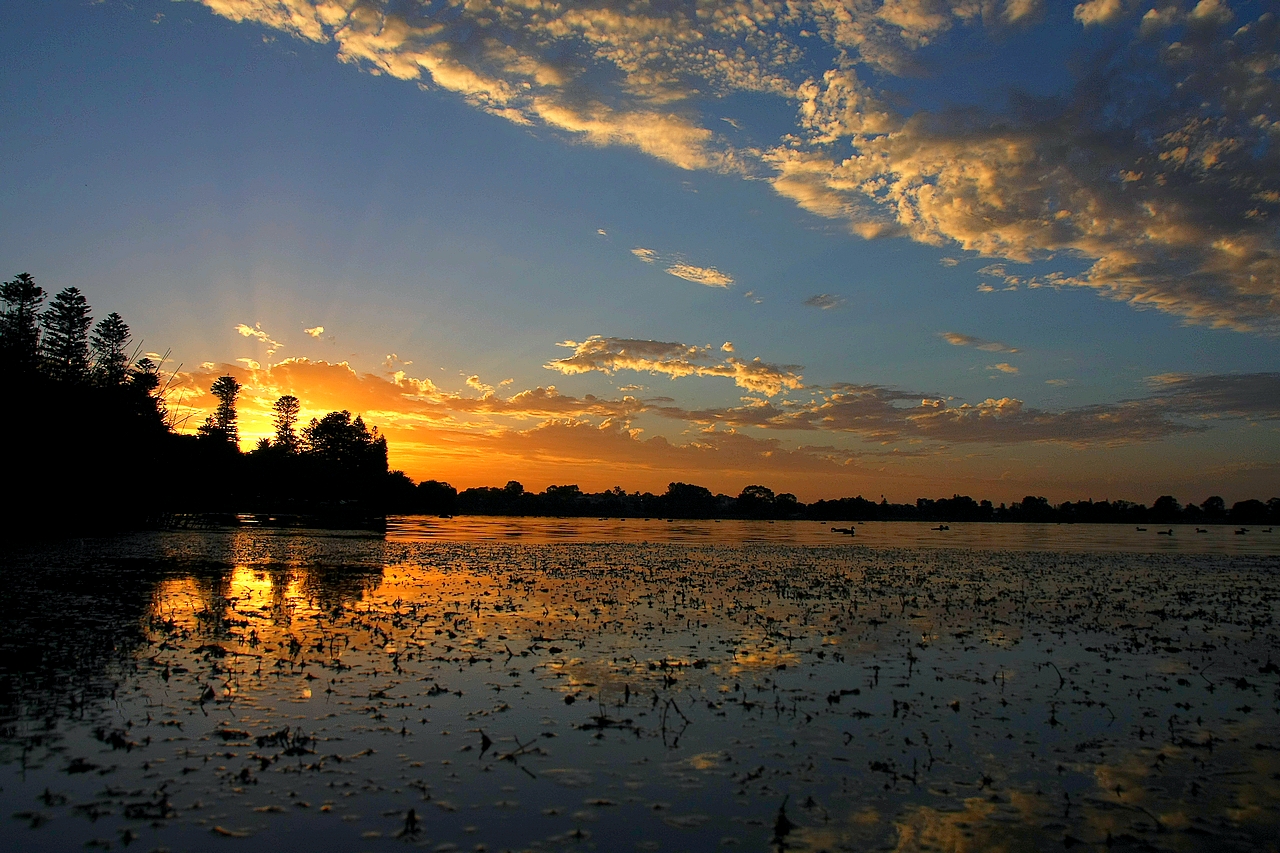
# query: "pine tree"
[287,408]
[19,323]
[226,389]
[66,336]
[110,362]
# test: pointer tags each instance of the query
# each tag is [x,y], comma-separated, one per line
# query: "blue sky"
[454,195]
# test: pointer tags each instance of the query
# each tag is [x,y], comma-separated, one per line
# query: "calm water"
[535,684]
[1069,538]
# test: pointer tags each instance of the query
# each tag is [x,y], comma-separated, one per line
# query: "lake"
[497,684]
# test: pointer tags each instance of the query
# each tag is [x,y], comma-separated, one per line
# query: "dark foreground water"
[731,688]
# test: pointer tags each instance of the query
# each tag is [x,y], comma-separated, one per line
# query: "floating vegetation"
[254,688]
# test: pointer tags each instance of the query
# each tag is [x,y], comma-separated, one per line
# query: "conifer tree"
[226,389]
[66,336]
[19,323]
[287,408]
[110,362]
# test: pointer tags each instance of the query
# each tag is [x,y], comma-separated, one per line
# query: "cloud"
[1241,395]
[392,362]
[608,355]
[855,435]
[1160,187]
[1153,180]
[323,386]
[710,276]
[824,301]
[255,331]
[1003,367]
[1099,12]
[1178,405]
[958,340]
[315,331]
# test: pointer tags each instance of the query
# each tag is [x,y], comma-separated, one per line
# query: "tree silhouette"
[287,408]
[338,438]
[19,327]
[110,361]
[66,336]
[221,425]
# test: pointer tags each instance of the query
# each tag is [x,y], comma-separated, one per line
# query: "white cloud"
[255,331]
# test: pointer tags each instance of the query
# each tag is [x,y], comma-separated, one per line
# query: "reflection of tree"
[332,587]
[69,636]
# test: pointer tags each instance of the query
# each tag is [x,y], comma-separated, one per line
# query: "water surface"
[723,687]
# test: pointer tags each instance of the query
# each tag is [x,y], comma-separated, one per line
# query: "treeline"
[89,443]
[682,500]
[84,429]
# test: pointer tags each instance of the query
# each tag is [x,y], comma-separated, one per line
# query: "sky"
[880,247]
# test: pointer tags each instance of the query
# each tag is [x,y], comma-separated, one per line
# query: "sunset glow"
[884,248]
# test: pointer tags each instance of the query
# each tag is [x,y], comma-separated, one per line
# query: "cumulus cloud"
[1154,180]
[474,383]
[956,339]
[1003,367]
[675,360]
[255,331]
[314,331]
[649,256]
[824,301]
[1099,12]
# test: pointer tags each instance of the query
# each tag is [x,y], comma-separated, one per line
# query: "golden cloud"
[608,355]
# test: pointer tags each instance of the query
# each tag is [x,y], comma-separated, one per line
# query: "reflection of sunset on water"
[678,694]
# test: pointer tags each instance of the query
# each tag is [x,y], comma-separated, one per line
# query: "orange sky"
[541,437]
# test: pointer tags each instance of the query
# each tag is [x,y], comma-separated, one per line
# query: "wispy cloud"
[824,301]
[255,331]
[1003,367]
[675,360]
[709,276]
[1178,405]
[315,331]
[956,339]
